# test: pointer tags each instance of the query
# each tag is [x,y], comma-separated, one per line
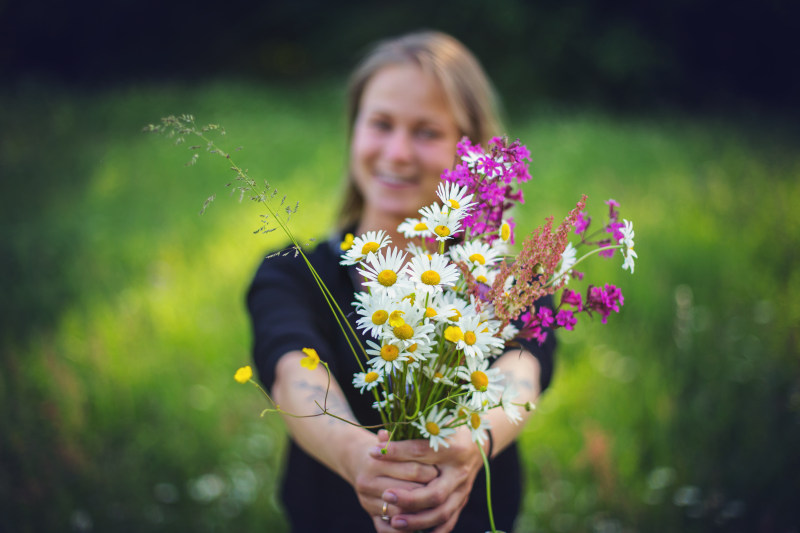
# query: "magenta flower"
[604,300]
[573,298]
[582,223]
[566,319]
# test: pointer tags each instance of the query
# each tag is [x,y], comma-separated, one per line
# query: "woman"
[411,100]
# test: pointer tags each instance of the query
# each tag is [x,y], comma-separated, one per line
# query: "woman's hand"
[373,477]
[439,503]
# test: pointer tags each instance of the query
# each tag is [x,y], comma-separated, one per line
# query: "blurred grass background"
[124,320]
[123,314]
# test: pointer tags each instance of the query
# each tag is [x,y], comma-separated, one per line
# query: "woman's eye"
[380,125]
[428,134]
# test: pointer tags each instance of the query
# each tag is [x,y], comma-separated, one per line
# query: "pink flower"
[604,300]
[566,319]
[582,223]
[573,298]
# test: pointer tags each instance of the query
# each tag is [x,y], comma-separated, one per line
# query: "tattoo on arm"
[336,403]
[520,383]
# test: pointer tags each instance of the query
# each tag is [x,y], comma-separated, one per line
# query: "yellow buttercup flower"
[244,374]
[347,243]
[311,360]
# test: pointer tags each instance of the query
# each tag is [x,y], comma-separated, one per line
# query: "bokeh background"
[122,316]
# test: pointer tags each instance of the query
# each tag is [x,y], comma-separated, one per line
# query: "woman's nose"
[399,147]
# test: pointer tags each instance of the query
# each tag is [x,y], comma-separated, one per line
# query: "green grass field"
[123,318]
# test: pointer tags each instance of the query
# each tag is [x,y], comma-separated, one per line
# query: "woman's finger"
[409,471]
[404,450]
[442,517]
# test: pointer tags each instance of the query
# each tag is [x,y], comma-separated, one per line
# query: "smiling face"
[404,136]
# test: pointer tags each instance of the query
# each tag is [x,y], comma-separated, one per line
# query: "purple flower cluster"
[603,301]
[613,226]
[491,178]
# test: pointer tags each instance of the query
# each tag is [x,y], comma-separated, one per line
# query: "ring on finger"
[384,512]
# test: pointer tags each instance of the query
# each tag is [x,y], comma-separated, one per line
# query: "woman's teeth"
[396,180]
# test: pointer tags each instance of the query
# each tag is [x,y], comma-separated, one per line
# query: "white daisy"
[367,380]
[406,326]
[475,253]
[454,196]
[512,412]
[451,307]
[627,241]
[440,375]
[414,227]
[430,274]
[568,259]
[364,246]
[482,382]
[433,427]
[443,221]
[385,358]
[374,310]
[386,403]
[505,231]
[473,155]
[478,426]
[384,271]
[477,339]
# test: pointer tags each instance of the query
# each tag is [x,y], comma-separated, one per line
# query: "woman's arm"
[439,503]
[342,447]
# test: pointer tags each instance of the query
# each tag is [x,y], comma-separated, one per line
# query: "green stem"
[488,487]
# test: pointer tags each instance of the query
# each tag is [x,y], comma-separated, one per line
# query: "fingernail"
[390,497]
[375,451]
[399,522]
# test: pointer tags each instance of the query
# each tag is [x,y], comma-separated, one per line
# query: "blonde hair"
[466,87]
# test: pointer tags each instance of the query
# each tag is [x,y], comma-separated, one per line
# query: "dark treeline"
[612,52]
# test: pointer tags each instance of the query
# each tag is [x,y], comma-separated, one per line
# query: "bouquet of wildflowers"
[441,310]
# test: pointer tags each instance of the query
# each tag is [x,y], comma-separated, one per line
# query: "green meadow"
[123,316]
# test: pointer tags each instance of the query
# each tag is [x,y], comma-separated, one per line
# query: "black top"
[289,313]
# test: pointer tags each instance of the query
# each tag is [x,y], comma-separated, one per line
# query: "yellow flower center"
[469,338]
[454,204]
[387,278]
[453,333]
[482,279]
[412,348]
[442,231]
[430,312]
[456,315]
[432,428]
[379,317]
[479,380]
[477,258]
[475,420]
[396,319]
[430,277]
[371,377]
[420,226]
[462,412]
[505,231]
[389,352]
[370,246]
[403,332]
[438,375]
[347,243]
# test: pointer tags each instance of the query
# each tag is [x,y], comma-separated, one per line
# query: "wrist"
[355,451]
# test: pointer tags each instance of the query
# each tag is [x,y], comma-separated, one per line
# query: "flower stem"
[488,487]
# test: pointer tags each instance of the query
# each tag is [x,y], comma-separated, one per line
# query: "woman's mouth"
[394,180]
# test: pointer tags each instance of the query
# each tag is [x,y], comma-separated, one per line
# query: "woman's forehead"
[405,90]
